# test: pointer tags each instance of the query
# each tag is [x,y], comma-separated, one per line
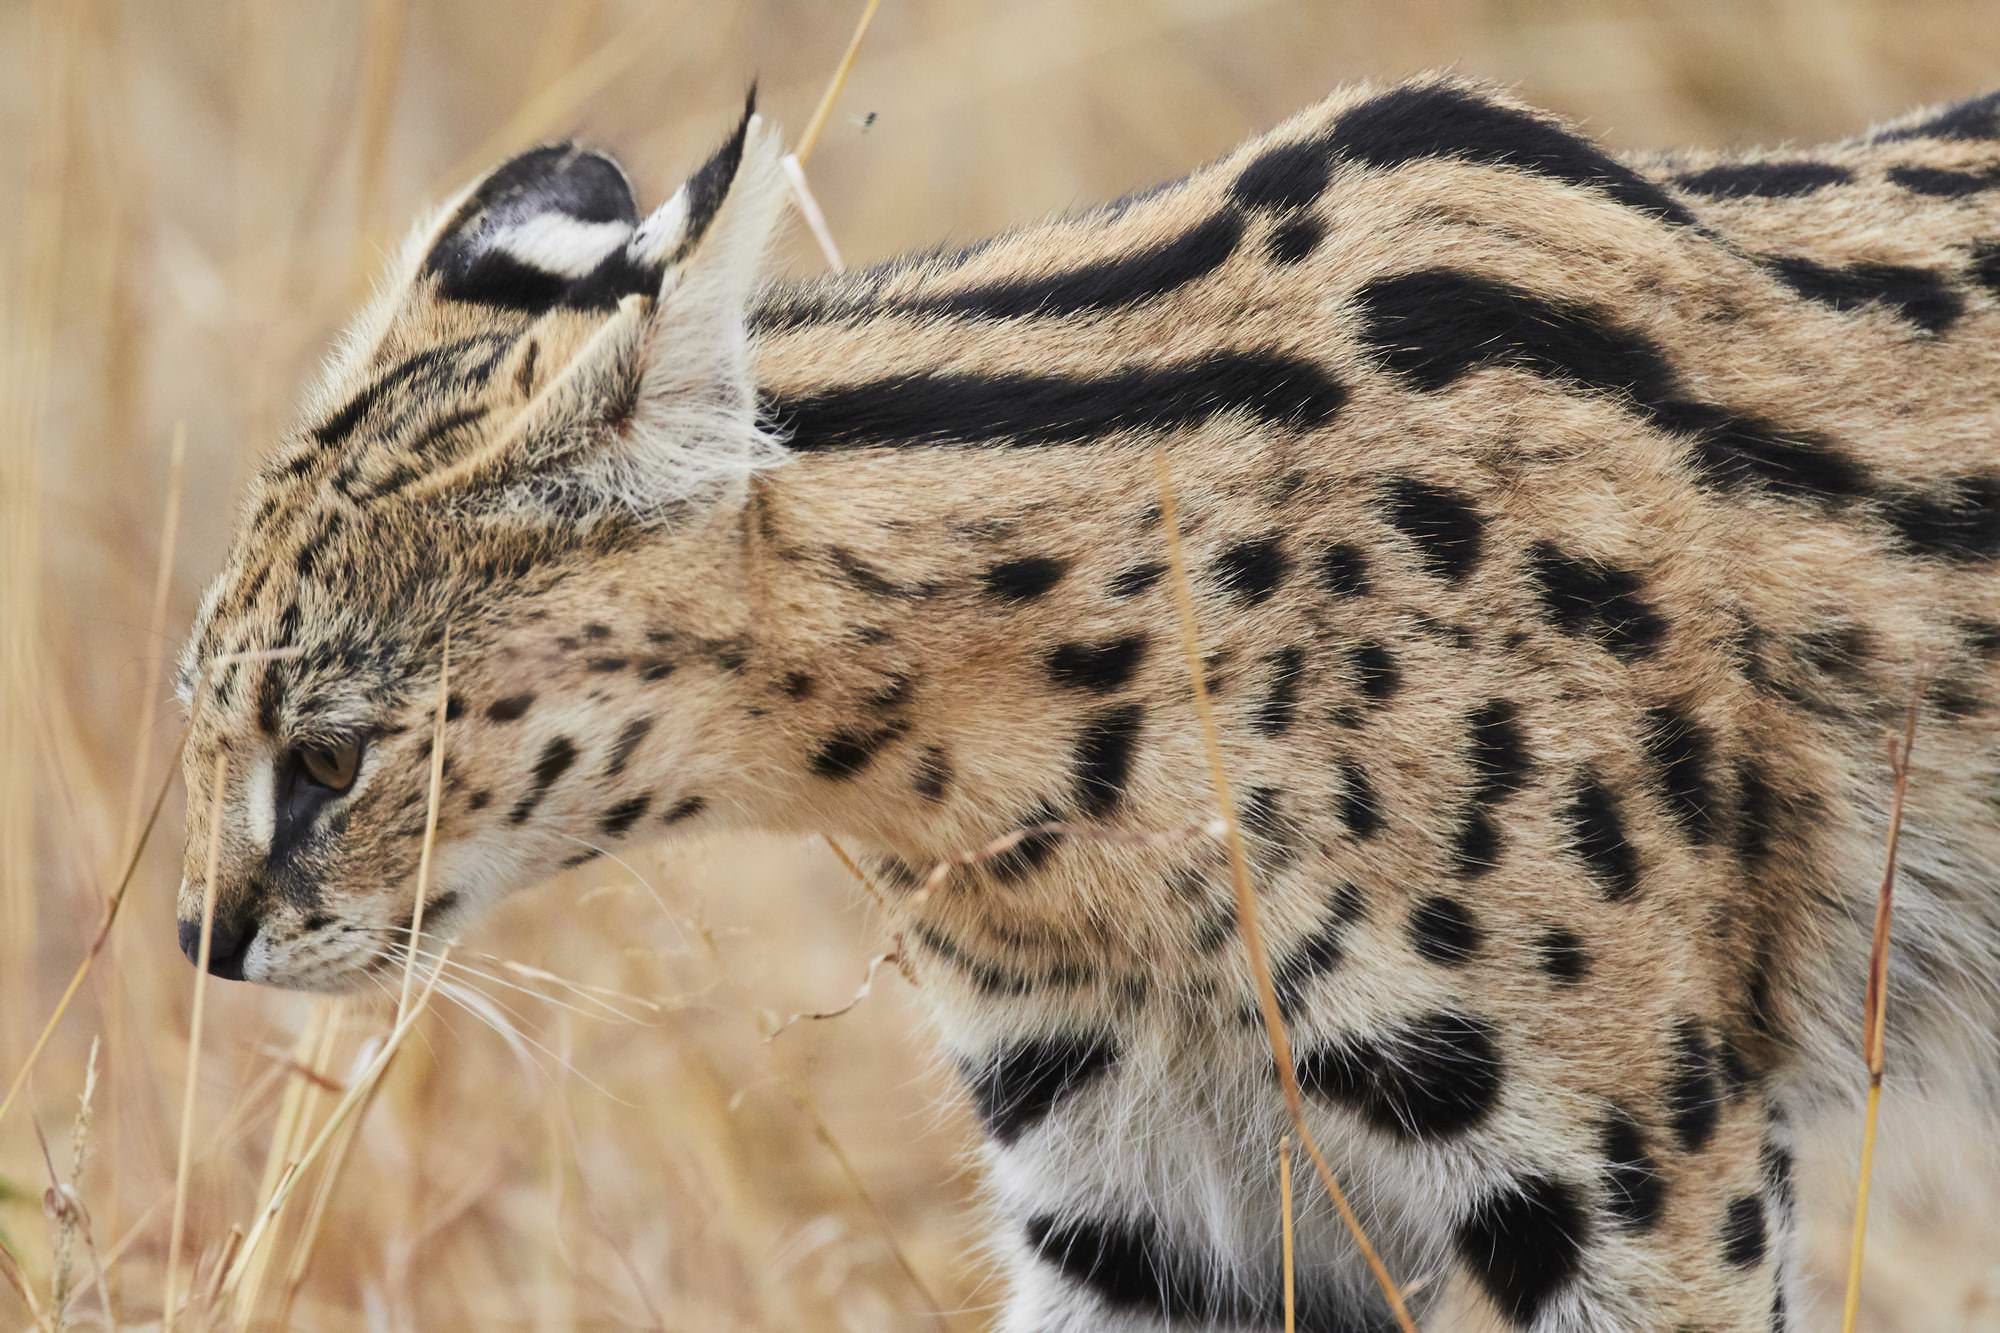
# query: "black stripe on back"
[1917,294]
[1764,180]
[946,408]
[1433,326]
[1437,121]
[1108,284]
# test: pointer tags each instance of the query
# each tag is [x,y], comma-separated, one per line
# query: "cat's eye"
[331,766]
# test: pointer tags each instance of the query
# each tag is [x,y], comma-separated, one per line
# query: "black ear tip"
[750,100]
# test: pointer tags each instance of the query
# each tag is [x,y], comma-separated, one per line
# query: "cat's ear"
[635,377]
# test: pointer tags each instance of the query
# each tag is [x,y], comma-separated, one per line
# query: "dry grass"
[587,1128]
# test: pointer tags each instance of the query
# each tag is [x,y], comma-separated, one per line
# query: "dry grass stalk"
[860,994]
[414,943]
[112,905]
[382,61]
[1285,1232]
[62,1205]
[359,1091]
[142,756]
[1874,1024]
[307,1243]
[309,1056]
[34,303]
[10,1268]
[809,209]
[1246,900]
[810,139]
[803,1102]
[156,636]
[211,874]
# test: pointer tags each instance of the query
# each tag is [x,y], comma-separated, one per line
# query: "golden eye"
[331,766]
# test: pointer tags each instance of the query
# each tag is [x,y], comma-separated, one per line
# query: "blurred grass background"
[204,189]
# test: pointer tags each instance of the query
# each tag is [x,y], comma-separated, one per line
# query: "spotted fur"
[1566,535]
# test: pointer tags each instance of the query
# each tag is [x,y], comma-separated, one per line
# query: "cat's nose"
[228,944]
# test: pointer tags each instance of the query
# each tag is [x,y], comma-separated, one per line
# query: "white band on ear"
[557,243]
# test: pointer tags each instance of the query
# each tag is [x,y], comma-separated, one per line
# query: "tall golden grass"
[607,1125]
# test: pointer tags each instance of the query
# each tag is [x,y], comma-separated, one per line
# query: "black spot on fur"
[1942,184]
[1127,279]
[1411,124]
[1134,1271]
[1525,1244]
[797,685]
[1376,672]
[1019,1086]
[1104,758]
[1960,521]
[933,774]
[454,706]
[1476,846]
[1501,764]
[556,757]
[1764,180]
[946,408]
[1986,265]
[1446,530]
[628,741]
[623,815]
[1682,756]
[1743,1237]
[1597,835]
[848,751]
[1098,667]
[1291,242]
[479,800]
[1252,570]
[874,582]
[1436,325]
[1634,1190]
[1024,580]
[1434,1079]
[685,808]
[1444,931]
[1344,570]
[1916,294]
[1133,581]
[1756,814]
[1776,1160]
[1280,708]
[1588,599]
[1563,956]
[1360,810]
[509,709]
[1694,1094]
[1289,176]
[605,665]
[1314,957]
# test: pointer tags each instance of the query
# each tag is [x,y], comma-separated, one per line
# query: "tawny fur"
[1562,757]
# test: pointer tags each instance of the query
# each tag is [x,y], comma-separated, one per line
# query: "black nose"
[228,942]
